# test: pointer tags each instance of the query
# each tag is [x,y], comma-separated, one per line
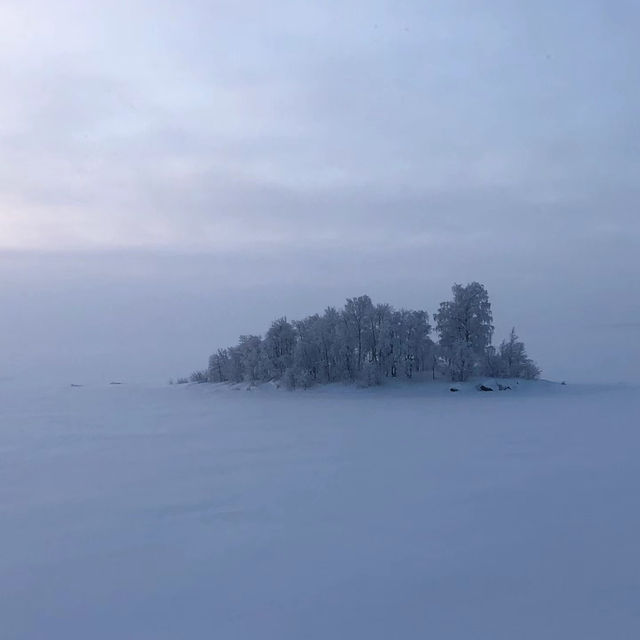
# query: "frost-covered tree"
[329,332]
[219,366]
[492,365]
[236,365]
[388,339]
[250,349]
[416,344]
[513,359]
[465,327]
[307,357]
[357,313]
[199,376]
[279,344]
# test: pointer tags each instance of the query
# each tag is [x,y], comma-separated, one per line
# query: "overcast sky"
[175,173]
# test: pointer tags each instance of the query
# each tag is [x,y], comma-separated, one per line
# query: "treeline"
[368,343]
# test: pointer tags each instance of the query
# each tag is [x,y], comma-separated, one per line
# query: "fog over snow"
[174,174]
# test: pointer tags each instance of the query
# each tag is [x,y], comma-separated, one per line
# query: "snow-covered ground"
[410,512]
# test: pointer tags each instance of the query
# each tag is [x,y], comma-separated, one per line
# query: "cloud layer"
[218,125]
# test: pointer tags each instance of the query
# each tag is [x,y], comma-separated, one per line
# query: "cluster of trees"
[368,343]
[465,330]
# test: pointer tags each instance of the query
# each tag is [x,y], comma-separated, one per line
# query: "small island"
[367,344]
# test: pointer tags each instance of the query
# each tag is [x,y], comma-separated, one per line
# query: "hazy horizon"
[89,318]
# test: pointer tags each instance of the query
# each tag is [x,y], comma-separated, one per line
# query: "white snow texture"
[405,512]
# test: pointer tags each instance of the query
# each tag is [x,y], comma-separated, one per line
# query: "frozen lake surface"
[411,512]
